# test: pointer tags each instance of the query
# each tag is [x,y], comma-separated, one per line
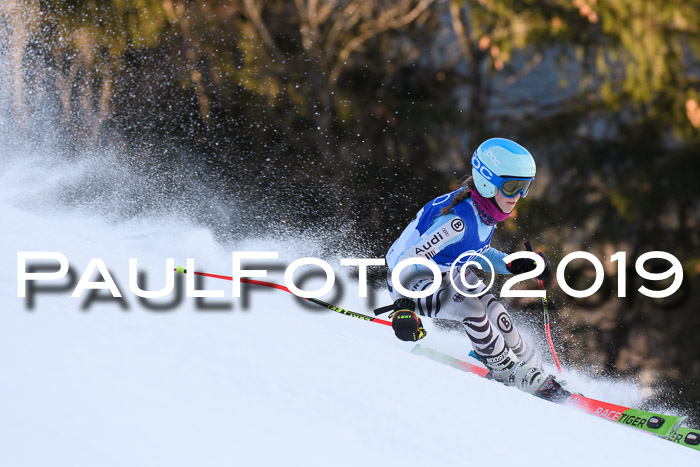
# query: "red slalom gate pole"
[547,332]
[244,280]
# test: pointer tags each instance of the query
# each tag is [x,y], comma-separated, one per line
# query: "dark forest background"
[348,115]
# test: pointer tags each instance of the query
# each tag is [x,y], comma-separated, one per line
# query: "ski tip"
[180,270]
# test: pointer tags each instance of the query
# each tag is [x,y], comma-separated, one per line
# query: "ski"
[665,426]
[689,437]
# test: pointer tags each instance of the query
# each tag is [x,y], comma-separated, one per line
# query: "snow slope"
[274,382]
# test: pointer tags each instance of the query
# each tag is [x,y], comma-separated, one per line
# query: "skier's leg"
[449,303]
[494,347]
[499,316]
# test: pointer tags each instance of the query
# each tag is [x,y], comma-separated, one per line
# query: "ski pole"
[528,247]
[244,280]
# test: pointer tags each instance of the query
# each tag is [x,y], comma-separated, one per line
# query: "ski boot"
[509,370]
[552,390]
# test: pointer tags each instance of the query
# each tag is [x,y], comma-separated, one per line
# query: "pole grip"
[528,246]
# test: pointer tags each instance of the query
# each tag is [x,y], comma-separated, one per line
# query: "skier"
[448,230]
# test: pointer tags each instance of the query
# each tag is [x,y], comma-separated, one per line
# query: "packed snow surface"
[270,381]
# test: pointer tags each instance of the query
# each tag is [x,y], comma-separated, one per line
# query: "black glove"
[406,324]
[522,265]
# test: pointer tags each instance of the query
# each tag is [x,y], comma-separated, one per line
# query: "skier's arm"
[496,258]
[519,266]
[444,231]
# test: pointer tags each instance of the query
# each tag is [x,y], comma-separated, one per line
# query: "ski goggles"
[512,186]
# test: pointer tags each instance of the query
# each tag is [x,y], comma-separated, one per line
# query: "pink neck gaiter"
[489,212]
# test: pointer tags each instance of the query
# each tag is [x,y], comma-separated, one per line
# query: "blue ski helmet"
[502,164]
